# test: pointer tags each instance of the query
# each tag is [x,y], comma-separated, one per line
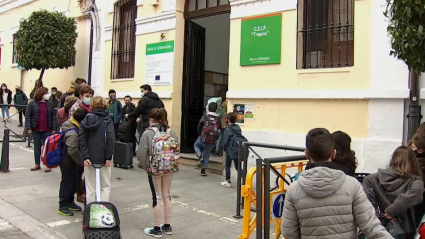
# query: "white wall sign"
[159,63]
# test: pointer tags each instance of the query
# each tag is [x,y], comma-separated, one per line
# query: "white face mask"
[46,97]
[54,93]
[3,88]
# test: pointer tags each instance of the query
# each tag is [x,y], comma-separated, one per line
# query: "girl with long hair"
[5,99]
[396,190]
[344,155]
[158,154]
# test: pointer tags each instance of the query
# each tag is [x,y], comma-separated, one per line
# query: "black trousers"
[20,116]
[68,186]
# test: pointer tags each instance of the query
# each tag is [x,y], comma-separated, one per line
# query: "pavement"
[29,202]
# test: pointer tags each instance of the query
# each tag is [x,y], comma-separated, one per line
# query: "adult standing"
[69,92]
[5,99]
[41,122]
[21,99]
[114,110]
[52,97]
[130,135]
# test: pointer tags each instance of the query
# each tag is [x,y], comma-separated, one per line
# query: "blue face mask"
[86,101]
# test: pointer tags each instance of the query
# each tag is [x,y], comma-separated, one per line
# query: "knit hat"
[17,87]
[71,89]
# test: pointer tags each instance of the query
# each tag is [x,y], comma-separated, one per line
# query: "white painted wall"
[217,42]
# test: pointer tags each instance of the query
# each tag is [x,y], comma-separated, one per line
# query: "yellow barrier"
[250,198]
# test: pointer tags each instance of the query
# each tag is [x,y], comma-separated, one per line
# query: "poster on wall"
[159,63]
[261,40]
[243,112]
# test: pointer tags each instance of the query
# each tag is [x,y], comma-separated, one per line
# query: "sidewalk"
[201,207]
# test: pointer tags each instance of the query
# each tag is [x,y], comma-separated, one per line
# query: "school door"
[193,84]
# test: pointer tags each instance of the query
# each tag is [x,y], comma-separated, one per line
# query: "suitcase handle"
[98,165]
[97,181]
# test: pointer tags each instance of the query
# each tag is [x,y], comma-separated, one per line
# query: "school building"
[284,66]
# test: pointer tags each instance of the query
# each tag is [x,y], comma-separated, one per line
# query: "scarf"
[74,122]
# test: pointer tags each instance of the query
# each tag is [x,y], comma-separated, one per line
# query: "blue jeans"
[218,147]
[228,165]
[5,111]
[203,149]
[39,138]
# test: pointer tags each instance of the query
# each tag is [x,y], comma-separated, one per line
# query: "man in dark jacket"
[230,133]
[70,164]
[52,97]
[149,101]
[96,141]
[20,98]
[129,131]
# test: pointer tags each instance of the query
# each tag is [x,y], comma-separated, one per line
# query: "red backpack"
[52,152]
[210,131]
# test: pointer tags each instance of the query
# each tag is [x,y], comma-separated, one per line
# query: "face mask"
[112,97]
[46,96]
[142,94]
[17,90]
[54,93]
[86,101]
[3,88]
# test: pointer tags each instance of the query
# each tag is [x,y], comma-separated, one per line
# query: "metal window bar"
[22,138]
[124,40]
[327,33]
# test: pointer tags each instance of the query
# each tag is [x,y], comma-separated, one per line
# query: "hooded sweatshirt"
[325,203]
[395,195]
[148,102]
[96,139]
[229,135]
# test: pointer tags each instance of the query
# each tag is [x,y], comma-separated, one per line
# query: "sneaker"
[20,125]
[167,230]
[35,167]
[226,184]
[200,161]
[74,207]
[154,233]
[203,172]
[64,211]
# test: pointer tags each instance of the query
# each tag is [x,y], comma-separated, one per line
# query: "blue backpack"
[237,140]
[52,152]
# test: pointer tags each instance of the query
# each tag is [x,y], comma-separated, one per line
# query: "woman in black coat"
[5,99]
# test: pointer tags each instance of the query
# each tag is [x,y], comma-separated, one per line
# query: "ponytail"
[159,115]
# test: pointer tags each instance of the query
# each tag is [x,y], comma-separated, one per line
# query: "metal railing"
[24,136]
[243,153]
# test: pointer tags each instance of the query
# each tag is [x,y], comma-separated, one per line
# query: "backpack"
[234,146]
[210,131]
[165,156]
[52,152]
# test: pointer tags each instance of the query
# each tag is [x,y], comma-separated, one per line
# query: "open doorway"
[206,63]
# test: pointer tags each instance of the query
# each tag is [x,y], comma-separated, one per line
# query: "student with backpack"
[158,154]
[70,164]
[231,139]
[396,190]
[326,203]
[209,131]
[96,141]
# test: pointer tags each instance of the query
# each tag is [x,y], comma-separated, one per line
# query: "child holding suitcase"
[96,142]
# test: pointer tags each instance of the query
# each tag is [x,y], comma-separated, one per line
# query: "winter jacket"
[54,100]
[395,195]
[229,135]
[73,158]
[130,131]
[420,209]
[117,110]
[20,98]
[204,118]
[145,147]
[9,97]
[61,101]
[96,139]
[327,204]
[31,116]
[148,102]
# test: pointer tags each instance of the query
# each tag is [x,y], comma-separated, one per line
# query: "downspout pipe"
[414,117]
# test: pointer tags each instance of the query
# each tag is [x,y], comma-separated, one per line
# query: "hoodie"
[148,102]
[325,203]
[230,134]
[73,158]
[96,139]
[396,195]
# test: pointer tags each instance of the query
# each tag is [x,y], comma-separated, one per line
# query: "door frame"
[206,12]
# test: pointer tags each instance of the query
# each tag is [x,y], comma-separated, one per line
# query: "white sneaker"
[226,184]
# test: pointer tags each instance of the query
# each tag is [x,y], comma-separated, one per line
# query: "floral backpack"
[165,156]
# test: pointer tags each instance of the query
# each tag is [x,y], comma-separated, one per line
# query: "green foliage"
[46,40]
[406,29]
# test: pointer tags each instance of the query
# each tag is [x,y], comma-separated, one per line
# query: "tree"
[46,40]
[406,29]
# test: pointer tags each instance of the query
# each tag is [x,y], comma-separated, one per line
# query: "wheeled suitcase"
[101,219]
[123,155]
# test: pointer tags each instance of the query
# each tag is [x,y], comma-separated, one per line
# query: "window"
[124,39]
[199,8]
[15,52]
[325,34]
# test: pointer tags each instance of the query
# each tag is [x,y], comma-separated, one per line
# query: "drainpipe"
[414,116]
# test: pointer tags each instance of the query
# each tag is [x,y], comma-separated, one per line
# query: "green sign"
[261,40]
[160,47]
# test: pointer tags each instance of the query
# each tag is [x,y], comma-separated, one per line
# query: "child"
[160,168]
[230,133]
[396,190]
[96,141]
[326,203]
[70,164]
[209,131]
